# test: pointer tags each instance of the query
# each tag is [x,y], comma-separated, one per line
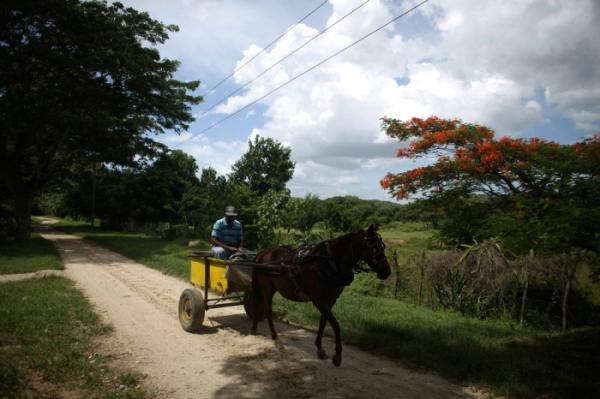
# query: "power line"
[268,45]
[222,100]
[303,73]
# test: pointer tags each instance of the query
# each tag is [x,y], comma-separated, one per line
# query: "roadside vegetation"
[31,256]
[48,335]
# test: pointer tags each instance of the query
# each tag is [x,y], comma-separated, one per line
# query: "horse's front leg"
[326,312]
[320,352]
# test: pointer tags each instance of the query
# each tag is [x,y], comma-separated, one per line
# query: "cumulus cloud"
[484,62]
[218,154]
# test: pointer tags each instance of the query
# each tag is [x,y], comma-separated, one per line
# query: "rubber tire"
[248,307]
[192,321]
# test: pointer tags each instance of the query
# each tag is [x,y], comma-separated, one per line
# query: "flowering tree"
[534,185]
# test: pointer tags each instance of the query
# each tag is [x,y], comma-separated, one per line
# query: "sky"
[522,67]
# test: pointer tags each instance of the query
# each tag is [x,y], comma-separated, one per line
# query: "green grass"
[47,330]
[30,256]
[513,361]
[169,256]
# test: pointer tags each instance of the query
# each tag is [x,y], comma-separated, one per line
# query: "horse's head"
[373,253]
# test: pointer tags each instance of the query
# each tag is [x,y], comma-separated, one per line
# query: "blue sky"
[523,67]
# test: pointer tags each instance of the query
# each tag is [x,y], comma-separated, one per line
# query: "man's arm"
[214,241]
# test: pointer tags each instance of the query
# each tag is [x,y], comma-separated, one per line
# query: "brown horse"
[319,277]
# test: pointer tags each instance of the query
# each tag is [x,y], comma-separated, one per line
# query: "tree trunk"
[22,217]
[571,266]
[564,304]
[397,273]
[421,277]
[93,210]
[524,297]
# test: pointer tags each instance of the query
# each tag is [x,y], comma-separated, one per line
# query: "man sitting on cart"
[226,236]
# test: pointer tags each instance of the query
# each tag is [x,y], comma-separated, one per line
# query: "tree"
[204,203]
[270,207]
[546,194]
[265,166]
[78,86]
[309,211]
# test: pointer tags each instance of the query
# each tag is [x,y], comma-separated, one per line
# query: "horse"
[319,277]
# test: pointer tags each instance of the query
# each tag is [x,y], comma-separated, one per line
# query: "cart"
[207,275]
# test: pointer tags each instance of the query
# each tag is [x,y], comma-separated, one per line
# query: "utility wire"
[303,73]
[268,45]
[282,59]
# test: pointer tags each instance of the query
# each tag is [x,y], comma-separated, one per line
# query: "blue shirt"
[229,235]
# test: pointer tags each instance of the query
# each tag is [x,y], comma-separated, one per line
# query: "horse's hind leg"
[320,352]
[268,300]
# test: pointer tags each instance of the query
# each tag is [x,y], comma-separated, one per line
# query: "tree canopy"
[265,166]
[81,82]
[534,192]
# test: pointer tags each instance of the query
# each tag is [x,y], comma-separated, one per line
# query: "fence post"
[396,272]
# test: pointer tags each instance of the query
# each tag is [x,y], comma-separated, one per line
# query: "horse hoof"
[337,360]
[274,337]
[321,354]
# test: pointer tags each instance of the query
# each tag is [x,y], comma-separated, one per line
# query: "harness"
[329,269]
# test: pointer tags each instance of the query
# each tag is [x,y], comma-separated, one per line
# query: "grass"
[169,256]
[518,362]
[30,256]
[47,331]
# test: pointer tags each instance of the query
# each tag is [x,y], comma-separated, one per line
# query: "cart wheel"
[249,309]
[191,310]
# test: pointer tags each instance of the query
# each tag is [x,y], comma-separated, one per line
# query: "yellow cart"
[208,274]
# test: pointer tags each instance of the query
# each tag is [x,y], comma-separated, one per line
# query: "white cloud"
[484,62]
[218,154]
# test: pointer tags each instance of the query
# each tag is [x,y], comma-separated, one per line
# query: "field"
[512,360]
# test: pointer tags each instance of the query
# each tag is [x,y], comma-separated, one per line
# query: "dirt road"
[223,361]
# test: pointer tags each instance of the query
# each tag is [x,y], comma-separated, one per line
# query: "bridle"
[376,249]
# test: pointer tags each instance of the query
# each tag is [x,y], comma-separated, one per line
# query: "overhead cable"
[222,100]
[268,46]
[303,73]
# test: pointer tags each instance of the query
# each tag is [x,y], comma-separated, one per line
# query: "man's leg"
[219,253]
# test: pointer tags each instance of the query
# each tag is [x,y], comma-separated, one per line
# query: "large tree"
[265,166]
[535,193]
[81,82]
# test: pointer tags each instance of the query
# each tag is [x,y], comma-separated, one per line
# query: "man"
[226,236]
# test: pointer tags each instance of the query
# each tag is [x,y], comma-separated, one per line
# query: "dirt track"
[224,361]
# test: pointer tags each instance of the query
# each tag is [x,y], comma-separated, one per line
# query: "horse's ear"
[373,228]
